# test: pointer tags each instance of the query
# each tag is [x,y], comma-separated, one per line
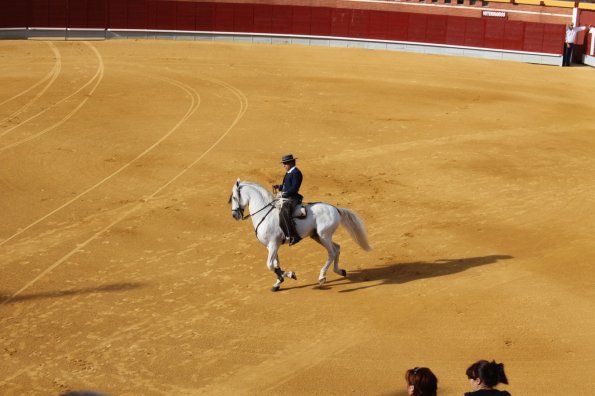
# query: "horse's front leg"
[273,263]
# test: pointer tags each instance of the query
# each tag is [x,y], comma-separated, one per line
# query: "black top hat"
[287,158]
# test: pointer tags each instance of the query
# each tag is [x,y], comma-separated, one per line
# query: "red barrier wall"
[15,13]
[583,40]
[284,19]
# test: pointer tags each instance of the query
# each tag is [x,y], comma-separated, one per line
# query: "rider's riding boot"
[295,240]
[295,237]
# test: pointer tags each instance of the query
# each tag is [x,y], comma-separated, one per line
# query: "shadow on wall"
[6,298]
[407,272]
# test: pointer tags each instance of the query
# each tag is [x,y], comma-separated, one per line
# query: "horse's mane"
[265,195]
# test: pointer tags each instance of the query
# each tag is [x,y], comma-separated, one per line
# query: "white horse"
[321,221]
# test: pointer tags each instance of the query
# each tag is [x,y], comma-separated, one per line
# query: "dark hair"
[423,380]
[490,373]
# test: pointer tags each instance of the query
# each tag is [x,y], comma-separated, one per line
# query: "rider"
[290,191]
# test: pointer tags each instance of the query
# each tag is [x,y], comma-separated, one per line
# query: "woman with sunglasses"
[421,382]
[484,376]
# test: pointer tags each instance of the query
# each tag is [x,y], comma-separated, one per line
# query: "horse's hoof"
[321,281]
[275,288]
[343,273]
[293,276]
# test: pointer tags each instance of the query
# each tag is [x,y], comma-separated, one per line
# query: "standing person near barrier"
[421,382]
[484,376]
[290,192]
[571,33]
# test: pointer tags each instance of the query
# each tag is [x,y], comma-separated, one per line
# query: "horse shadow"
[6,298]
[399,273]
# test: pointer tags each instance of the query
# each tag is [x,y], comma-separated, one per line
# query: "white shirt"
[571,34]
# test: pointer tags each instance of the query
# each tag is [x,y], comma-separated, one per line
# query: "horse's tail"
[355,227]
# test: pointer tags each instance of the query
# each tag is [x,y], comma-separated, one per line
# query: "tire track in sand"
[193,106]
[52,75]
[139,325]
[195,103]
[98,76]
[243,108]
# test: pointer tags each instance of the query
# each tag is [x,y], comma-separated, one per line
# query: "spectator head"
[486,375]
[421,382]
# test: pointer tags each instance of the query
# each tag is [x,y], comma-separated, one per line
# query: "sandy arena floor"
[124,272]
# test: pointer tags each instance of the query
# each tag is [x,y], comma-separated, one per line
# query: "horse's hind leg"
[332,249]
[336,267]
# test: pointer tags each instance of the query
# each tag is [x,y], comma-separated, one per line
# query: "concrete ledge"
[42,33]
[85,34]
[339,42]
[13,34]
[589,60]
[52,34]
[128,35]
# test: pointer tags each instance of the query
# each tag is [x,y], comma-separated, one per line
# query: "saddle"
[299,211]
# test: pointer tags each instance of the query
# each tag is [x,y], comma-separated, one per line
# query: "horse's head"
[237,204]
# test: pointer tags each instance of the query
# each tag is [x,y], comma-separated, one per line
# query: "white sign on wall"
[494,14]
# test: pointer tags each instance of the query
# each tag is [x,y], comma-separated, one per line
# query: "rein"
[264,217]
[258,211]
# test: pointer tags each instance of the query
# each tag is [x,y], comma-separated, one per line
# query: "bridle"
[240,210]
